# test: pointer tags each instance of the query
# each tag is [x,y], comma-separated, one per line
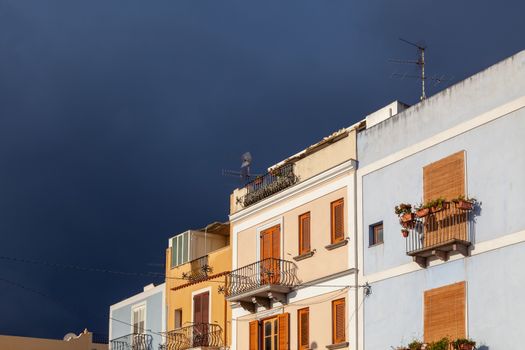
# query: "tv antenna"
[420,62]
[244,174]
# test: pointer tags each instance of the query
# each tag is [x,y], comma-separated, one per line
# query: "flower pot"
[466,347]
[464,205]
[405,233]
[407,217]
[421,213]
[258,181]
[437,209]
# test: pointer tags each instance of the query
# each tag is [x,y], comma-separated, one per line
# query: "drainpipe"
[356,262]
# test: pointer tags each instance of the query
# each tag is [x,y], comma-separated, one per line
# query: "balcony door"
[201,303]
[270,254]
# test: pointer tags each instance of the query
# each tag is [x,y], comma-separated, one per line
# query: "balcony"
[199,269]
[132,342]
[261,283]
[268,184]
[196,336]
[439,234]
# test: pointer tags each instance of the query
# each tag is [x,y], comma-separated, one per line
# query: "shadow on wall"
[483,347]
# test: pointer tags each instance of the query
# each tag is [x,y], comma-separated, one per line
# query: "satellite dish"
[246,159]
[69,336]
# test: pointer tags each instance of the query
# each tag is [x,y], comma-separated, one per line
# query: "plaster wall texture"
[220,261]
[324,262]
[155,305]
[320,317]
[393,313]
[494,176]
[490,88]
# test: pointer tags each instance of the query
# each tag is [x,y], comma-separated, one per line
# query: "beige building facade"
[84,341]
[293,279]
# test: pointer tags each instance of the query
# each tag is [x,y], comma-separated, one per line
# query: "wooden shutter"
[254,335]
[284,331]
[304,233]
[337,220]
[303,329]
[205,304]
[338,321]
[445,312]
[197,308]
[445,178]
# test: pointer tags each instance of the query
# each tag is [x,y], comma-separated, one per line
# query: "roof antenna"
[244,174]
[420,62]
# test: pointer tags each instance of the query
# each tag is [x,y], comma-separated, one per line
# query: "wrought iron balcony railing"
[266,272]
[268,184]
[203,335]
[199,269]
[132,342]
[439,233]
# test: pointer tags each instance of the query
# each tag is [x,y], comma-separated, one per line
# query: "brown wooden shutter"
[338,321]
[445,178]
[254,335]
[284,331]
[337,218]
[304,233]
[205,304]
[303,328]
[197,308]
[445,312]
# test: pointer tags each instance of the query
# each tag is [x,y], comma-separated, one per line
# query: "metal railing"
[132,342]
[194,336]
[268,184]
[447,224]
[265,272]
[199,269]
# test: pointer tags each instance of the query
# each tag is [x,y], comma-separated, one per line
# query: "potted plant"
[258,180]
[422,211]
[463,344]
[442,344]
[463,203]
[404,212]
[405,232]
[437,205]
[415,345]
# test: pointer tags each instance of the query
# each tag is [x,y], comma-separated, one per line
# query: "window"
[445,312]
[270,334]
[303,329]
[376,234]
[178,318]
[304,233]
[338,321]
[138,319]
[337,221]
[179,249]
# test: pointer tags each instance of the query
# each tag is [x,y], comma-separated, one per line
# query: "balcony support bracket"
[440,254]
[280,297]
[421,261]
[248,306]
[264,302]
[461,248]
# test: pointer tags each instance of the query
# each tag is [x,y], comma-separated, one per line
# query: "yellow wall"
[220,261]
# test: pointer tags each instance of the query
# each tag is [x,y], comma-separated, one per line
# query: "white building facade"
[459,272]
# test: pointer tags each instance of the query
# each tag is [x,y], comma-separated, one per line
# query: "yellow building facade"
[197,262]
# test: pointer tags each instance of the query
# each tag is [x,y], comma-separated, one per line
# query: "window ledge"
[304,256]
[338,345]
[337,245]
[375,244]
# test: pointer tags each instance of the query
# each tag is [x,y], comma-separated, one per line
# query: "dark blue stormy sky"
[116,118]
